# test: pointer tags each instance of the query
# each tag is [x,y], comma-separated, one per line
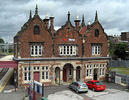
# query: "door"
[64,75]
[78,74]
[95,74]
[36,76]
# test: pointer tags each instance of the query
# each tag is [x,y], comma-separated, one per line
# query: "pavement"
[7,58]
[62,92]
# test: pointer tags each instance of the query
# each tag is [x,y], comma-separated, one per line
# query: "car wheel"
[77,91]
[93,89]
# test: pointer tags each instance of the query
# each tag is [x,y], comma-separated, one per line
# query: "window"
[96,49]
[45,73]
[102,69]
[96,32]
[25,76]
[27,73]
[36,50]
[89,70]
[67,50]
[36,29]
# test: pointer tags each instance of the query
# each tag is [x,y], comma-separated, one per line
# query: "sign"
[117,79]
[71,39]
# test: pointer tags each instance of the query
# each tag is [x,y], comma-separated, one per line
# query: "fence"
[118,78]
[119,63]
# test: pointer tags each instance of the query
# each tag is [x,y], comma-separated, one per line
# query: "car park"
[96,85]
[78,87]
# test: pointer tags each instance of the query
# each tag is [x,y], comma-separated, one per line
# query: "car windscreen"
[99,83]
[84,85]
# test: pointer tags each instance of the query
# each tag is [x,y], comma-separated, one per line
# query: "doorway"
[68,73]
[95,74]
[57,75]
[78,69]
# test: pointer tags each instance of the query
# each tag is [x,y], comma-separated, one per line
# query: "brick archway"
[68,73]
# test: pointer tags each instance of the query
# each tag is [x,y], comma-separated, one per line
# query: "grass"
[3,53]
[122,70]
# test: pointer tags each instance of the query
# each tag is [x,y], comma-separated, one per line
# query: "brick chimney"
[51,23]
[46,21]
[77,23]
[88,26]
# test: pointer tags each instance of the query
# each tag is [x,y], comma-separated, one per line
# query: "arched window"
[96,32]
[36,29]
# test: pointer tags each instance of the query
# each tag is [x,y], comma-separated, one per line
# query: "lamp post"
[15,79]
[83,46]
[29,81]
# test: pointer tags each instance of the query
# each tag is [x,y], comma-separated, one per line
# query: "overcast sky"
[112,14]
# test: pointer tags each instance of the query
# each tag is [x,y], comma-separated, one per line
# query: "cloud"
[112,13]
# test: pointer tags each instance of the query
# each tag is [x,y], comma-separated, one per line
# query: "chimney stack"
[51,23]
[88,26]
[46,20]
[77,23]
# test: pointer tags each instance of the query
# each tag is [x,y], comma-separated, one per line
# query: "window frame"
[68,50]
[36,29]
[36,49]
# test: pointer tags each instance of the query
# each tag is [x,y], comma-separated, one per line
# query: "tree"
[120,50]
[1,40]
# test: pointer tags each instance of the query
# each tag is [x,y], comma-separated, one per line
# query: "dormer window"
[36,29]
[96,32]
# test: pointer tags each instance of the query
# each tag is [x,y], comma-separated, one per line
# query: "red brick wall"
[62,34]
[29,36]
[90,38]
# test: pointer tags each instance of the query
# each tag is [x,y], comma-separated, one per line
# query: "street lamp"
[15,79]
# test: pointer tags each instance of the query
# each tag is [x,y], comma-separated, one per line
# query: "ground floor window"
[45,73]
[27,76]
[88,70]
[102,69]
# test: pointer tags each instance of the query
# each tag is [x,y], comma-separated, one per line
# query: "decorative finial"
[36,10]
[96,16]
[83,21]
[30,14]
[68,15]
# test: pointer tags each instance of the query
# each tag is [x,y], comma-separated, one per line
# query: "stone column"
[74,74]
[53,76]
[61,76]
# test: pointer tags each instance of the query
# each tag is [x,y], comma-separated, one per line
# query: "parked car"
[96,85]
[78,87]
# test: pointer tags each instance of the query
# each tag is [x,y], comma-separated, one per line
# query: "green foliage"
[120,50]
[1,40]
[111,48]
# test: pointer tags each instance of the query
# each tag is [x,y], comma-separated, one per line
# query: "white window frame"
[36,48]
[27,74]
[89,70]
[96,49]
[45,69]
[67,50]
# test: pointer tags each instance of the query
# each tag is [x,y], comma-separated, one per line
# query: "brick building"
[72,53]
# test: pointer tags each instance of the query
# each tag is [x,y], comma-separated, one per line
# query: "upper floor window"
[96,49]
[68,50]
[96,32]
[36,29]
[36,50]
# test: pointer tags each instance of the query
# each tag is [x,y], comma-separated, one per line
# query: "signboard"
[117,79]
[71,39]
